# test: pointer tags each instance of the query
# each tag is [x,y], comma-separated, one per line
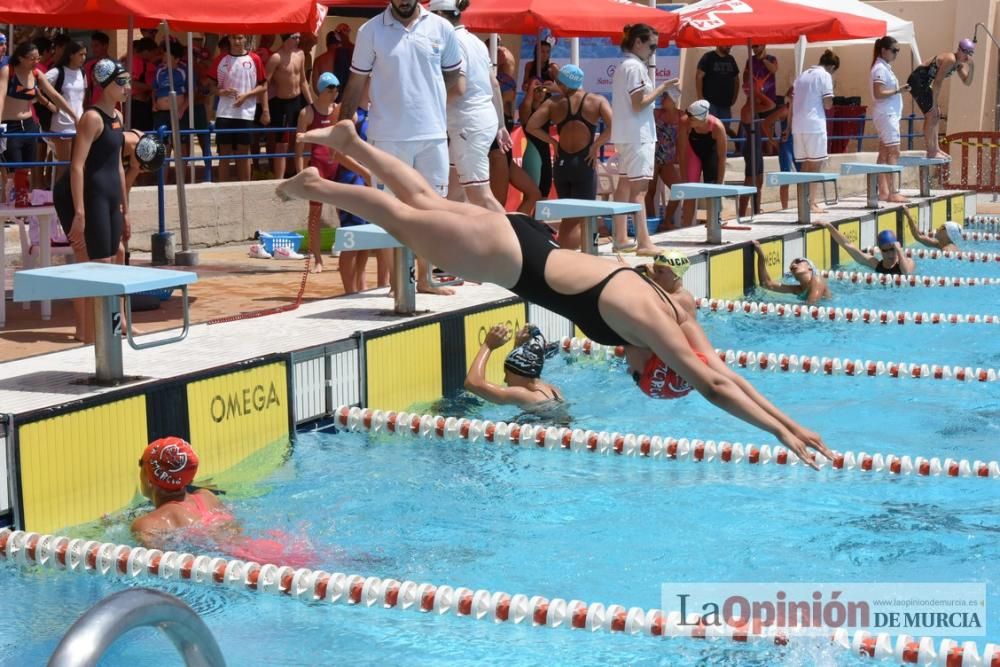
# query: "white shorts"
[810,147]
[635,161]
[429,157]
[469,153]
[887,127]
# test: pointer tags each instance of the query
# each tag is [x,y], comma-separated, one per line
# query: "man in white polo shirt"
[414,61]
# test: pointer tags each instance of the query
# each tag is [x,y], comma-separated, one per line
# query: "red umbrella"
[728,22]
[565,18]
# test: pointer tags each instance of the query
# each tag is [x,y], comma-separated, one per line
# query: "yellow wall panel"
[235,415]
[78,466]
[958,209]
[726,275]
[578,332]
[476,327]
[886,221]
[939,213]
[774,260]
[908,238]
[404,368]
[852,230]
[818,248]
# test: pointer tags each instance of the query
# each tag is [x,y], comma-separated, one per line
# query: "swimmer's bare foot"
[897,198]
[816,208]
[317,266]
[337,137]
[425,288]
[296,186]
[648,251]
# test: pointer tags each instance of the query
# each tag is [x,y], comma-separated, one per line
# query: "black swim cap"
[528,358]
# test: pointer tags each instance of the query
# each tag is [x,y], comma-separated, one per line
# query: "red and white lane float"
[436,427]
[831,314]
[887,280]
[809,364]
[980,236]
[791,363]
[983,222]
[121,561]
[963,255]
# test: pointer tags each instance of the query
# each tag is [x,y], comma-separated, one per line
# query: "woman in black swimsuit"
[620,308]
[925,84]
[891,259]
[90,198]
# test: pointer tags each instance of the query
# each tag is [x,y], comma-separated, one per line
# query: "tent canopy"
[896,27]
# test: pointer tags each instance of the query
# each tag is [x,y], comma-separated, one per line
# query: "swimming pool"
[607,529]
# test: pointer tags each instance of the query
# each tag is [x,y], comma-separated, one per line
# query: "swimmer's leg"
[404,181]
[479,247]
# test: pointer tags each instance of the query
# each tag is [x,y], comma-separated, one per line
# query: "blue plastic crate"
[161,294]
[273,240]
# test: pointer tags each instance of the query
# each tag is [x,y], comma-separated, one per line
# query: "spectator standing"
[99,42]
[576,115]
[414,61]
[668,118]
[925,85]
[813,96]
[759,81]
[634,132]
[67,79]
[701,149]
[238,76]
[146,56]
[718,82]
[286,76]
[161,93]
[337,57]
[475,118]
[887,112]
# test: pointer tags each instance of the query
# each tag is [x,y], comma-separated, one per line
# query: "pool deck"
[47,380]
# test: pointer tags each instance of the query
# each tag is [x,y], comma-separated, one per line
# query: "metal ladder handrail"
[91,635]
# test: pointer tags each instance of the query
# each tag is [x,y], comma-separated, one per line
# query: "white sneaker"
[287,253]
[257,251]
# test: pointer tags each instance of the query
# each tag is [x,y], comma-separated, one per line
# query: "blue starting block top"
[363,237]
[865,168]
[706,190]
[775,178]
[557,209]
[94,279]
[919,161]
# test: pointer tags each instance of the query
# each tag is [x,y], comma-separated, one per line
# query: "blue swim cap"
[886,237]
[327,80]
[571,76]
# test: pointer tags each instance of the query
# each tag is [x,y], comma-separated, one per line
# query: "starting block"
[106,284]
[373,237]
[871,173]
[590,209]
[802,180]
[924,164]
[713,193]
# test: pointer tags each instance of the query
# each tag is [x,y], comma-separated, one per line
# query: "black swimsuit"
[536,241]
[574,177]
[893,271]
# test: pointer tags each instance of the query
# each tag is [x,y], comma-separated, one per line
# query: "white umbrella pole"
[753,126]
[128,59]
[191,86]
[185,257]
[574,51]
[652,58]
[494,49]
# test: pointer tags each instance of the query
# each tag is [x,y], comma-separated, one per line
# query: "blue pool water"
[607,529]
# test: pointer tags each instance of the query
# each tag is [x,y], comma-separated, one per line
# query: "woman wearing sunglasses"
[925,85]
[809,285]
[887,111]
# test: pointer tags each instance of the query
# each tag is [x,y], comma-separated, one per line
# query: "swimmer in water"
[892,261]
[522,370]
[809,284]
[167,467]
[945,237]
[612,305]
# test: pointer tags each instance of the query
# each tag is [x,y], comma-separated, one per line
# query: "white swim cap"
[954,231]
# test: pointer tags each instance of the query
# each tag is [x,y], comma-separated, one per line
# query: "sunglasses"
[887,249]
[968,53]
[895,49]
[295,37]
[123,80]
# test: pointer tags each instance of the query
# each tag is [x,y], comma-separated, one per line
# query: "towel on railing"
[41,197]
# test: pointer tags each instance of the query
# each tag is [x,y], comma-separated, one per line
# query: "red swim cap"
[170,463]
[658,380]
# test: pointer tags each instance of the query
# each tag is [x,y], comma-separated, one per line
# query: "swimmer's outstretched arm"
[856,253]
[923,238]
[765,278]
[476,382]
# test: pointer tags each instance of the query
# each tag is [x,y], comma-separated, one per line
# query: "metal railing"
[101,625]
[978,163]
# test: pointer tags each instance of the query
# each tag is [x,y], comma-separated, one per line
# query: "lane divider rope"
[831,314]
[964,255]
[809,364]
[121,561]
[436,427]
[983,222]
[980,236]
[871,278]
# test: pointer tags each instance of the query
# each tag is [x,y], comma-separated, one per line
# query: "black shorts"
[284,113]
[162,118]
[21,148]
[573,177]
[142,115]
[920,87]
[232,139]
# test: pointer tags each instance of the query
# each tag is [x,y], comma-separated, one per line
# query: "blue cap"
[327,80]
[886,237]
[3,38]
[571,76]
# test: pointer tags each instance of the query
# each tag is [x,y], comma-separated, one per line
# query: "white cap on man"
[443,6]
[698,109]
